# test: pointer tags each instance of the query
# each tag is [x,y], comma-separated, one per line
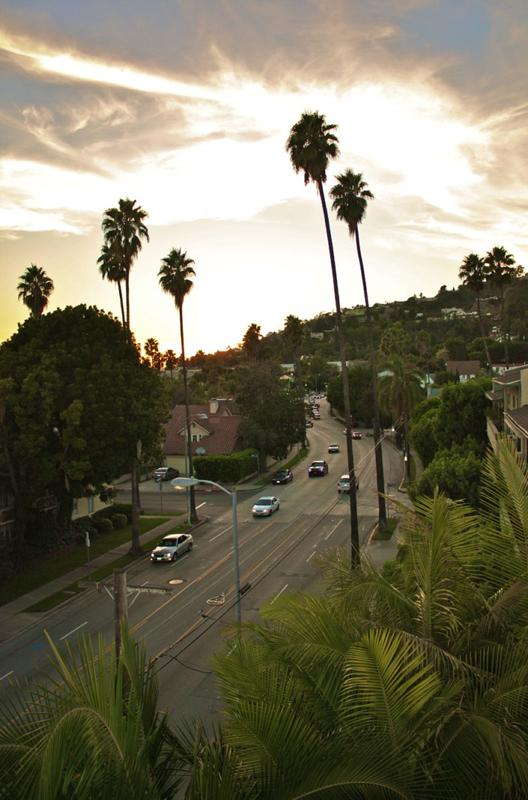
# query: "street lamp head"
[184,483]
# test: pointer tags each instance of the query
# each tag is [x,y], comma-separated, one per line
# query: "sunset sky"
[185,106]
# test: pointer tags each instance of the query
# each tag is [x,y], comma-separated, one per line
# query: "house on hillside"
[464,369]
[214,431]
[509,397]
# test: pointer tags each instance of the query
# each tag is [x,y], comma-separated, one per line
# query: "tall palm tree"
[175,279]
[111,269]
[171,360]
[124,229]
[501,270]
[311,144]
[350,196]
[34,289]
[472,273]
[399,393]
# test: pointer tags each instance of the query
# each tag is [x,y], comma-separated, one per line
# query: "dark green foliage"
[423,434]
[123,508]
[462,413]
[455,472]
[104,525]
[273,416]
[77,402]
[360,383]
[119,521]
[226,468]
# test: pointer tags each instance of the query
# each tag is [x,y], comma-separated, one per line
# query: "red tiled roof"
[223,430]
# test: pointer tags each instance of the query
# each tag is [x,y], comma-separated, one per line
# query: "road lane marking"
[7,675]
[201,504]
[328,535]
[73,631]
[279,594]
[311,556]
[136,595]
[221,533]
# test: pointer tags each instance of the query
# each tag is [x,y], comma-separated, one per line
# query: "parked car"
[171,547]
[316,415]
[309,423]
[333,448]
[282,476]
[165,474]
[317,469]
[265,506]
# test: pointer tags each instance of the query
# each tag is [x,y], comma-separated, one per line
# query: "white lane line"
[279,594]
[328,535]
[73,631]
[7,675]
[221,533]
[311,556]
[201,504]
[136,595]
[109,593]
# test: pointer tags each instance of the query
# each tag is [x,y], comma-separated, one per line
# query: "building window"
[195,437]
[90,504]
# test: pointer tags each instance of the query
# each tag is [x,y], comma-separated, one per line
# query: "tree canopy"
[77,401]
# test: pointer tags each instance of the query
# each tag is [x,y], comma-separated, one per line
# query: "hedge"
[225,469]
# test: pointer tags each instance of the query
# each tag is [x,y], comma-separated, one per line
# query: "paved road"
[277,555]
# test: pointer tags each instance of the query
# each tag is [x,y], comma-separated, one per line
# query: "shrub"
[122,508]
[226,469]
[104,525]
[119,521]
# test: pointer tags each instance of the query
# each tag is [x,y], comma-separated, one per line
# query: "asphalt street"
[277,555]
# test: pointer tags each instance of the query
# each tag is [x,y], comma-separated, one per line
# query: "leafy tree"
[395,342]
[76,401]
[273,416]
[454,471]
[311,145]
[501,270]
[473,274]
[422,432]
[34,289]
[318,372]
[462,413]
[175,278]
[350,196]
[124,229]
[251,342]
[360,379]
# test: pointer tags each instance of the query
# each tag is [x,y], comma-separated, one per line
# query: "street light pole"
[186,483]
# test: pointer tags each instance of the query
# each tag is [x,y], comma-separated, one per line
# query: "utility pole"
[120,607]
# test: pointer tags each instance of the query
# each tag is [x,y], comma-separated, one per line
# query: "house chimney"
[213,406]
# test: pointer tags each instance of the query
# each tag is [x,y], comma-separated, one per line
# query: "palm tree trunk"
[380,478]
[354,525]
[484,342]
[135,544]
[127,298]
[192,503]
[121,303]
[503,326]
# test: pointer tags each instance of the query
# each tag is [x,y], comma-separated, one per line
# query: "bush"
[122,508]
[104,525]
[226,469]
[456,473]
[119,521]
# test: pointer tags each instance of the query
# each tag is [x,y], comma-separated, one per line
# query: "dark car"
[282,476]
[317,469]
[165,474]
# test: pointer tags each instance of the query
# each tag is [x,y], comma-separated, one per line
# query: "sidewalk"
[13,618]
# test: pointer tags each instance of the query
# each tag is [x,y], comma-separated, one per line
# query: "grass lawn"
[100,573]
[49,567]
